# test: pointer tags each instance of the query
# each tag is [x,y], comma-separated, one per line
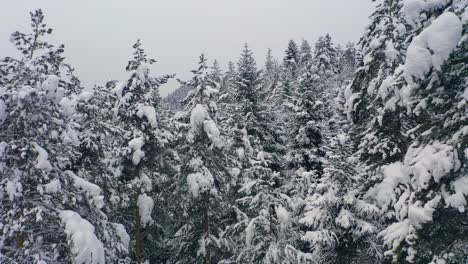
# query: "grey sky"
[98,34]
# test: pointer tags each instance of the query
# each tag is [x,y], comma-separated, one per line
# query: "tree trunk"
[206,229]
[19,235]
[138,236]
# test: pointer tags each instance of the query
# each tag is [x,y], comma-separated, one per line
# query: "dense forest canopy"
[351,153]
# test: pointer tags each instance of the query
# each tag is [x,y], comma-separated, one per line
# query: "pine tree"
[377,127]
[420,189]
[289,72]
[305,54]
[270,77]
[44,203]
[259,229]
[216,73]
[325,56]
[204,177]
[292,58]
[139,148]
[96,133]
[348,62]
[335,224]
[246,83]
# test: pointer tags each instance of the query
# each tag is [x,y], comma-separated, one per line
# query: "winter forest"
[332,153]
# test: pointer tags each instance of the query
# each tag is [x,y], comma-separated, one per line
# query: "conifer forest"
[332,153]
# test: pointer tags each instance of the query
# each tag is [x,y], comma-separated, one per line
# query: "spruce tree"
[139,148]
[45,206]
[204,178]
[325,56]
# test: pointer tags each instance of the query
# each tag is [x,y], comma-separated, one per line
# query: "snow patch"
[283,215]
[13,189]
[53,186]
[432,46]
[212,131]
[123,235]
[431,161]
[149,112]
[91,189]
[250,232]
[412,9]
[42,160]
[199,182]
[145,207]
[136,144]
[85,246]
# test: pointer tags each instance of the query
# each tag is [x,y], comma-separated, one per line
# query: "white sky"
[98,34]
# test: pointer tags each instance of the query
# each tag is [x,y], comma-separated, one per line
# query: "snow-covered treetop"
[203,87]
[28,43]
[139,58]
[325,55]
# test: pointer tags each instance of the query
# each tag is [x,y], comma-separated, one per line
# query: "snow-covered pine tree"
[325,56]
[292,58]
[260,230]
[228,78]
[140,149]
[305,55]
[216,73]
[288,79]
[333,222]
[347,62]
[270,77]
[426,190]
[377,133]
[96,134]
[204,178]
[305,139]
[48,213]
[377,129]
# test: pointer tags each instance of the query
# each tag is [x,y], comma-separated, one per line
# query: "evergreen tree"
[326,56]
[259,232]
[347,62]
[419,190]
[292,58]
[45,206]
[216,73]
[305,54]
[204,178]
[96,133]
[270,77]
[139,148]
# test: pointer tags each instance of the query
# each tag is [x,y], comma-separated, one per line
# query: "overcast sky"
[98,34]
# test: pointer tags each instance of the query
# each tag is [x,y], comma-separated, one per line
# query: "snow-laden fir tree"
[204,178]
[292,58]
[334,224]
[140,148]
[48,213]
[425,190]
[325,56]
[377,133]
[93,110]
[305,55]
[377,129]
[347,62]
[260,232]
[288,78]
[216,73]
[269,78]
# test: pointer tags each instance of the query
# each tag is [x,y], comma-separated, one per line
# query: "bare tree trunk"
[19,235]
[206,229]
[138,236]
